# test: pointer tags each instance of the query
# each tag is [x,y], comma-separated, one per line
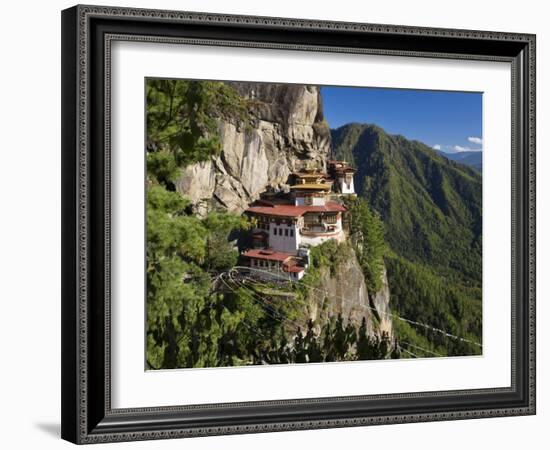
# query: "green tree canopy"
[182,122]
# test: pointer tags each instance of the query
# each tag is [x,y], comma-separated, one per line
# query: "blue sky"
[448,121]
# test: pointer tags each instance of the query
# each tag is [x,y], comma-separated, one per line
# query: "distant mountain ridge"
[430,205]
[472,159]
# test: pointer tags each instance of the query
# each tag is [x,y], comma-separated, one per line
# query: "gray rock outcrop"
[287,132]
[381,302]
[344,292]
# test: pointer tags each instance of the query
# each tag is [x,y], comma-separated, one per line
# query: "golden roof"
[312,186]
[310,175]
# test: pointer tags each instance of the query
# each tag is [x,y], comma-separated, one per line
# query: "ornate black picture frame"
[87,34]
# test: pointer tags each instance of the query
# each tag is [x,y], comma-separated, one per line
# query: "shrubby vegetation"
[427,297]
[185,319]
[367,233]
[187,323]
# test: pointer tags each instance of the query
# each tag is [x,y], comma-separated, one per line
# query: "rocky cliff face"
[287,131]
[380,301]
[345,293]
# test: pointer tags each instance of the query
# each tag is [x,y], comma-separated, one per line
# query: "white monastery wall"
[284,237]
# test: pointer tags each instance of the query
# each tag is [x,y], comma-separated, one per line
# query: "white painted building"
[284,235]
[284,226]
[268,264]
[309,200]
[342,173]
[316,233]
[345,183]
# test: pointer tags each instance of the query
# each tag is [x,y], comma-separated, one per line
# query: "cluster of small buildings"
[287,225]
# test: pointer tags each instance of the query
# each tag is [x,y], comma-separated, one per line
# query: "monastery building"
[286,226]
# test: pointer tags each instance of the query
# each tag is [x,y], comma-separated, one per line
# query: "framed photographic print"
[281,224]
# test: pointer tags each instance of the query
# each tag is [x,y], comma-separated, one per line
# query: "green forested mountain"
[431,209]
[431,206]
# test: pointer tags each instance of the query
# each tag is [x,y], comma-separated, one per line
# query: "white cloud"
[459,148]
[475,140]
[456,148]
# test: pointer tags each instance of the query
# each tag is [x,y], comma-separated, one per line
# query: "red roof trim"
[295,211]
[269,255]
[293,269]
